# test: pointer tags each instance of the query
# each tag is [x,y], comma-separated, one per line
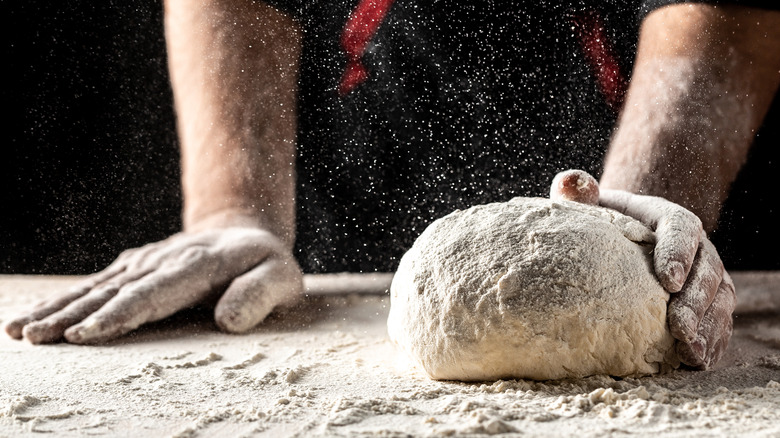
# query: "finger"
[716,351]
[161,293]
[714,331]
[575,185]
[128,266]
[252,296]
[191,269]
[14,327]
[677,239]
[718,323]
[687,308]
[177,284]
[678,232]
[47,307]
[51,328]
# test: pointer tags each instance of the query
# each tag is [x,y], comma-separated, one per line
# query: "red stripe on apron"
[600,55]
[360,28]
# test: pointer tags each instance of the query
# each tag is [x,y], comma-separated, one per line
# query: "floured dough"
[531,288]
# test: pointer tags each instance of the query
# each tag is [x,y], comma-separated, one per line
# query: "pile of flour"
[535,289]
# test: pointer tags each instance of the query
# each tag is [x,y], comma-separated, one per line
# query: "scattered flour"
[18,405]
[327,369]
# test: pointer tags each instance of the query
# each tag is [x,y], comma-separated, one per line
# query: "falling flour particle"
[534,289]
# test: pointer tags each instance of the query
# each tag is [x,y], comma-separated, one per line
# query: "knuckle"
[731,299]
[126,254]
[709,253]
[103,293]
[682,220]
[131,258]
[688,217]
[694,220]
[728,282]
[193,253]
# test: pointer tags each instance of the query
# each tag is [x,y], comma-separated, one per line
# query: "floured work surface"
[326,368]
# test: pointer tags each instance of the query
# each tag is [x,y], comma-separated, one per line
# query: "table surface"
[326,368]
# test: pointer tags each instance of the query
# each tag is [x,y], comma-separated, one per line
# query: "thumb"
[253,295]
[678,234]
[575,185]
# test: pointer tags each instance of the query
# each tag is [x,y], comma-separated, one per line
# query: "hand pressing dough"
[533,289]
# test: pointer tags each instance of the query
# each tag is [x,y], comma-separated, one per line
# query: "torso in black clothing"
[464,103]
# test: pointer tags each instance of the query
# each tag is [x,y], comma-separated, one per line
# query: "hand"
[686,264]
[253,267]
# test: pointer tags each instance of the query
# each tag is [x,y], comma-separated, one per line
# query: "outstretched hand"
[253,268]
[686,264]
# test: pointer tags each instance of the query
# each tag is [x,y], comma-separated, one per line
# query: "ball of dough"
[534,289]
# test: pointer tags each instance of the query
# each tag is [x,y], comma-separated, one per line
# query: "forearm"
[703,80]
[234,71]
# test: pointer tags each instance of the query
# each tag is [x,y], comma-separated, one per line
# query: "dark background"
[90,160]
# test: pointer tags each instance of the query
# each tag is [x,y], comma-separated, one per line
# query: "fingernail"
[89,328]
[14,329]
[36,333]
[73,334]
[698,348]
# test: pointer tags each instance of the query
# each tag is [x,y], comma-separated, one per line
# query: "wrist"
[225,218]
[240,218]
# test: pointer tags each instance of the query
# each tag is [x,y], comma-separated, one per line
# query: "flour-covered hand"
[686,264]
[251,268]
